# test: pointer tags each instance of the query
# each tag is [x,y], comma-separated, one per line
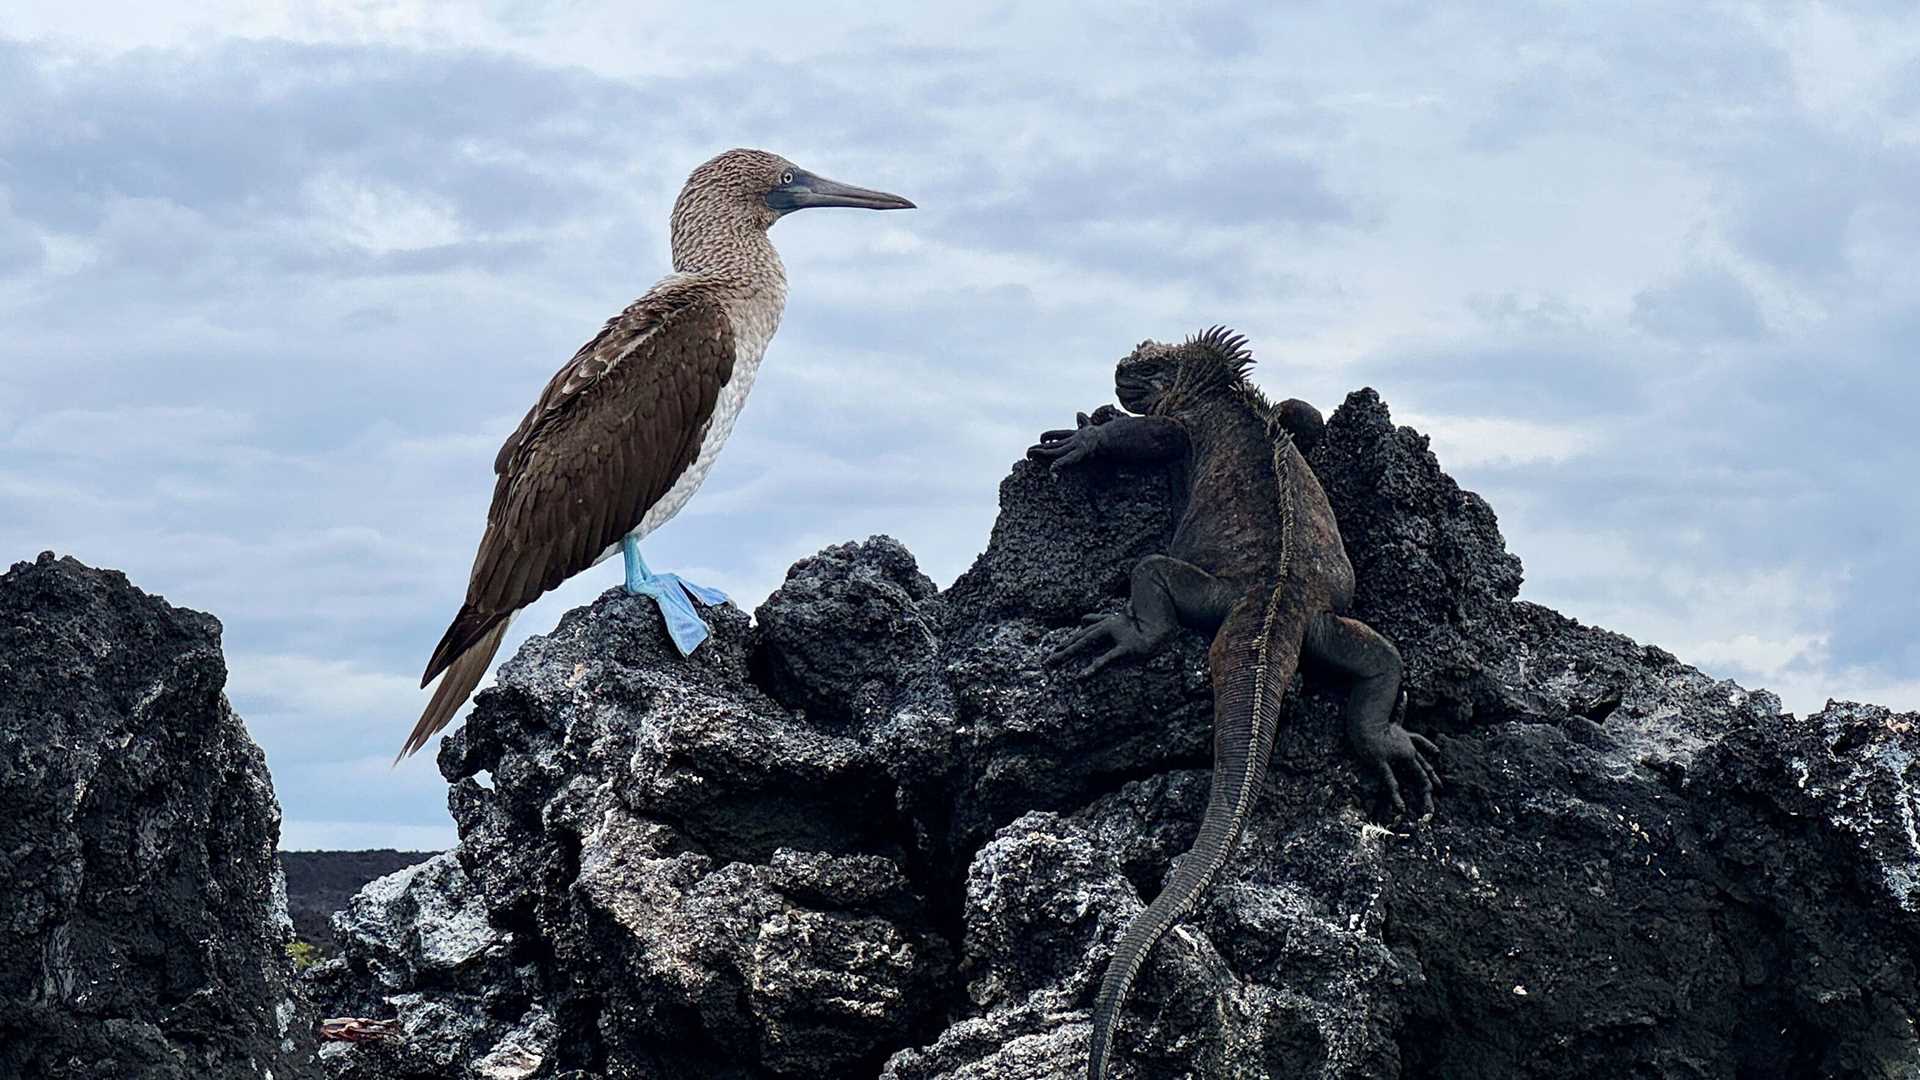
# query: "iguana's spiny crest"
[1161,379]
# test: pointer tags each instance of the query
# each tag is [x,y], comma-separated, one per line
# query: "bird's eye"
[787,177]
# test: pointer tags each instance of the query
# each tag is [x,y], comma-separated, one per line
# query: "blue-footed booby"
[623,435]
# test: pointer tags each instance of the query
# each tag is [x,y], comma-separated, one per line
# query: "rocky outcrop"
[418,940]
[677,852]
[871,835]
[144,927]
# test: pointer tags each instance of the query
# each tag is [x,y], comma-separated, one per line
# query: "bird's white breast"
[753,325]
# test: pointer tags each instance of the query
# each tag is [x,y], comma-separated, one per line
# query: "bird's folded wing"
[609,436]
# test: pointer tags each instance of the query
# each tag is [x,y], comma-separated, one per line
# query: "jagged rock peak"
[145,931]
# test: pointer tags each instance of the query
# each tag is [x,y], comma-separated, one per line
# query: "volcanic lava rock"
[320,883]
[709,882]
[144,928]
[874,835]
[418,946]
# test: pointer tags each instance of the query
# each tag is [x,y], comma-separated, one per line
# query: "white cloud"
[143,433]
[317,688]
[1767,656]
[1465,442]
[381,218]
[1807,692]
[307,834]
[1845,63]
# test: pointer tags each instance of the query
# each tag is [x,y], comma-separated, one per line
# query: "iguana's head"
[1160,378]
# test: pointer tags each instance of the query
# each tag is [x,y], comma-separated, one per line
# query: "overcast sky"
[276,280]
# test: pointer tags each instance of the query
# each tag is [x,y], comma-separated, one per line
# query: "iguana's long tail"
[1256,654]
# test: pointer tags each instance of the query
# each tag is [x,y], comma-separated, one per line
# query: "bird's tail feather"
[456,684]
[462,635]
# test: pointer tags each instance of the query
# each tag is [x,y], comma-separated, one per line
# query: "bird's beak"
[810,190]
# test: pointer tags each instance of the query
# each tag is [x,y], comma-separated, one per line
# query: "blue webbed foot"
[684,624]
[708,596]
[675,598]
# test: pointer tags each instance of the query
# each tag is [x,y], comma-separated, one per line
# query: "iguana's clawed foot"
[1118,627]
[1397,750]
[1071,446]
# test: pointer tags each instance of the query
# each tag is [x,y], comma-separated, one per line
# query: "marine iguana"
[1257,562]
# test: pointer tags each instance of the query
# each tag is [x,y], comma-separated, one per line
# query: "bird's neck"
[736,263]
[724,246]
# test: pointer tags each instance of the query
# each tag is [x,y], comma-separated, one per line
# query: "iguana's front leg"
[1114,436]
[1167,594]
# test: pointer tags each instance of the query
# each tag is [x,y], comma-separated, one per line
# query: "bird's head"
[760,188]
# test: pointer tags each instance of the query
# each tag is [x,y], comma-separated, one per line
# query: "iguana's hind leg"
[1359,650]
[1167,594]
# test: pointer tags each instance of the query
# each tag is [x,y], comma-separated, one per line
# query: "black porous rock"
[144,929]
[859,617]
[1434,575]
[707,882]
[1030,738]
[420,949]
[875,835]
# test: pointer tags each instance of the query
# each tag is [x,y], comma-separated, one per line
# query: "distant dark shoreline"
[320,883]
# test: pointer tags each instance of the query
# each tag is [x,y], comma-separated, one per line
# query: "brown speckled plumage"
[625,432]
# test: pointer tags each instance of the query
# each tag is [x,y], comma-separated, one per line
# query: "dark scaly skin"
[1257,563]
